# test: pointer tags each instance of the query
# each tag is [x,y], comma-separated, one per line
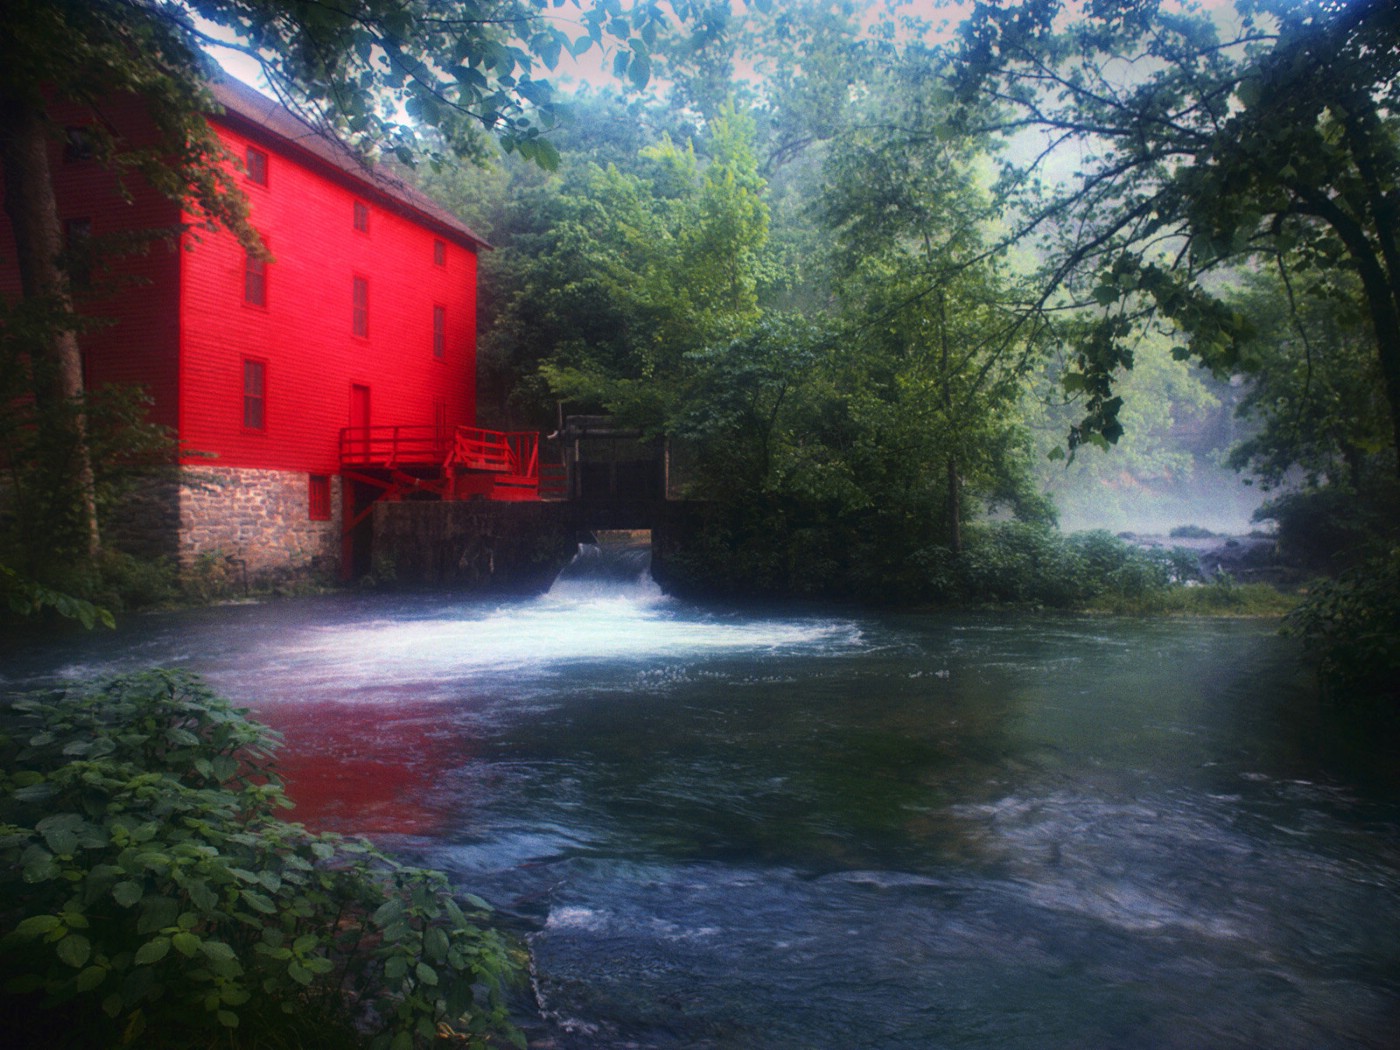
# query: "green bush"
[1334,528]
[1351,627]
[1021,563]
[1035,564]
[151,894]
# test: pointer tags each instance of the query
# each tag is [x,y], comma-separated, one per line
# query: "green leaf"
[152,951]
[389,912]
[186,943]
[39,864]
[426,973]
[90,978]
[75,950]
[217,950]
[158,913]
[37,925]
[435,944]
[127,893]
[258,902]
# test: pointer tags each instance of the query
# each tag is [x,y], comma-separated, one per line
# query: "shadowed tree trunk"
[56,362]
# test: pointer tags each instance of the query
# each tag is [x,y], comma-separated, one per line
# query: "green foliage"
[1027,564]
[1333,528]
[151,893]
[43,533]
[27,599]
[1315,393]
[1209,140]
[1351,627]
[670,254]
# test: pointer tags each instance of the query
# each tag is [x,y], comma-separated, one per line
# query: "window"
[362,216]
[318,501]
[254,394]
[359,323]
[77,144]
[255,161]
[77,240]
[439,331]
[440,253]
[254,280]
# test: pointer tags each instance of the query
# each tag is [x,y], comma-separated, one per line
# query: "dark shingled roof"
[259,116]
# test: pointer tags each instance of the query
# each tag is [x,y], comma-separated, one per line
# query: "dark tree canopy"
[1270,140]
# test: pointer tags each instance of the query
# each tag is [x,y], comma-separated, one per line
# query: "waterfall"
[615,567]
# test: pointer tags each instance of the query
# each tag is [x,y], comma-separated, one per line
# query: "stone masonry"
[258,522]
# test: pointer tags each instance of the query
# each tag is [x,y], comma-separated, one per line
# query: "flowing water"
[724,829]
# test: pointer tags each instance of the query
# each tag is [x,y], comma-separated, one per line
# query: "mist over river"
[735,829]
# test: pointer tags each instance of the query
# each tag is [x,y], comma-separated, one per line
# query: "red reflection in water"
[370,769]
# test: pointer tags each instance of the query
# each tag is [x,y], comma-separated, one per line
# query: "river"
[798,829]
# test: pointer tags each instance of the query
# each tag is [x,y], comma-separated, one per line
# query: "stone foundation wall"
[473,545]
[258,522]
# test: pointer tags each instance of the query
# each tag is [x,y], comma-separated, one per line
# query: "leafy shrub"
[1023,563]
[24,598]
[128,582]
[1351,627]
[150,892]
[1334,528]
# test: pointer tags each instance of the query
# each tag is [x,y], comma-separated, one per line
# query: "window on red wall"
[439,331]
[255,163]
[359,323]
[254,280]
[318,501]
[254,394]
[362,216]
[440,253]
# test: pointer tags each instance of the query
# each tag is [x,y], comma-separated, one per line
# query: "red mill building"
[302,389]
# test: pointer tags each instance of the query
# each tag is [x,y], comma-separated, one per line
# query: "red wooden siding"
[186,321]
[305,331]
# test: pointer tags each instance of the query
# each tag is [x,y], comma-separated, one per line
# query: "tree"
[938,354]
[670,256]
[1200,150]
[380,73]
[1316,392]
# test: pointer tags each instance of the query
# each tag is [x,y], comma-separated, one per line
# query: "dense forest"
[901,287]
[893,290]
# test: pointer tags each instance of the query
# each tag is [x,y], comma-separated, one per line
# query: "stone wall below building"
[258,523]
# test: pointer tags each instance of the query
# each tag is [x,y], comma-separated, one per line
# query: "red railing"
[516,454]
[393,446]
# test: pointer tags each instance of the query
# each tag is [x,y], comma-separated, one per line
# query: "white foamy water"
[581,620]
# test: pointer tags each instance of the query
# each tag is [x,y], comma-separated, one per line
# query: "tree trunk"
[954,506]
[57,365]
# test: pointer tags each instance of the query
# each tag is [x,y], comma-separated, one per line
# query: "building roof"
[261,116]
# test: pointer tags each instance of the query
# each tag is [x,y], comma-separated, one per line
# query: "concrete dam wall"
[515,548]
